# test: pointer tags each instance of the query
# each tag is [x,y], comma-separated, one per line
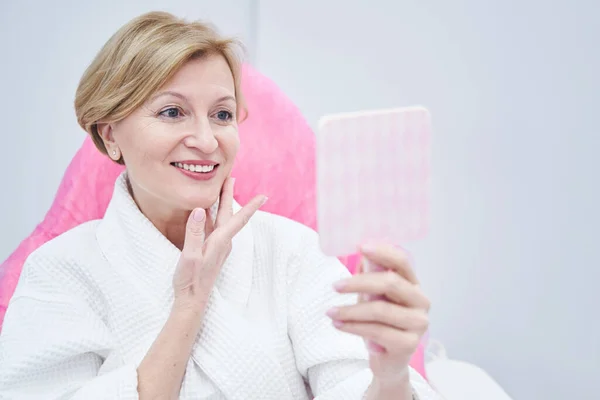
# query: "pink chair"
[285,173]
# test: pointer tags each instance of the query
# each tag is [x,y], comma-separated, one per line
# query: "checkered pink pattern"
[373,173]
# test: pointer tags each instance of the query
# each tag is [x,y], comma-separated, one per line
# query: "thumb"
[194,231]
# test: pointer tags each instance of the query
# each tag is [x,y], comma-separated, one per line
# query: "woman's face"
[180,146]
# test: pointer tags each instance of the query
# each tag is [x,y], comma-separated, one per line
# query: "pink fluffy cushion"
[276,158]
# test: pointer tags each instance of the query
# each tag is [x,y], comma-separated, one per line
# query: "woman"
[178,292]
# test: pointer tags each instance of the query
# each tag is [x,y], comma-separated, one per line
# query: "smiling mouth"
[202,169]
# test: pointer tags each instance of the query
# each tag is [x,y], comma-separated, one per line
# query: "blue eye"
[172,112]
[224,116]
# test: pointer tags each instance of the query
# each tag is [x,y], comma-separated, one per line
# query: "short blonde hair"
[141,57]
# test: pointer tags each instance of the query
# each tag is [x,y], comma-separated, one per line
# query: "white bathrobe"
[91,302]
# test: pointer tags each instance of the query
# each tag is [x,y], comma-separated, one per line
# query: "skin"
[193,118]
[391,315]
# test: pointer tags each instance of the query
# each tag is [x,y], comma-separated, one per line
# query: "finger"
[360,267]
[225,202]
[390,257]
[383,312]
[392,340]
[389,284]
[241,218]
[194,233]
[369,266]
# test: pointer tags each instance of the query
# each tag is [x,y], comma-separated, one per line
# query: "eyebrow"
[182,97]
[225,98]
[168,93]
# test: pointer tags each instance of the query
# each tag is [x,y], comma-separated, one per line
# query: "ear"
[105,131]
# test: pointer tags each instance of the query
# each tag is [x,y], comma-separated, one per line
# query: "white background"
[511,263]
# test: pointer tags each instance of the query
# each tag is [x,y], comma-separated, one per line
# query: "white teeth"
[195,168]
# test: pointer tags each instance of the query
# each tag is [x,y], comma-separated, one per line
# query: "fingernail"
[337,323]
[339,285]
[232,183]
[264,201]
[199,214]
[333,312]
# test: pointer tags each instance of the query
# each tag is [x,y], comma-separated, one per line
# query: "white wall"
[511,261]
[45,46]
[511,264]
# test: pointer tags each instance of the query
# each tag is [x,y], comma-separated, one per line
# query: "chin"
[191,202]
[196,194]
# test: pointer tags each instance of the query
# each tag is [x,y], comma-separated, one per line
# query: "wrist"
[398,388]
[184,307]
[186,315]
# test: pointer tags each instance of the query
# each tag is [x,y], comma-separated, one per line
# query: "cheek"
[146,145]
[140,153]
[229,141]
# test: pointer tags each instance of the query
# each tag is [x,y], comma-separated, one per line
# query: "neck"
[169,221]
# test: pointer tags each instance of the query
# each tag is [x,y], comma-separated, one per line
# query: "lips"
[200,168]
[197,170]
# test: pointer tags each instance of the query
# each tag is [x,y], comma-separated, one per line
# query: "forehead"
[205,75]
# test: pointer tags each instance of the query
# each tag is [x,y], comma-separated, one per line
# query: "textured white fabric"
[90,303]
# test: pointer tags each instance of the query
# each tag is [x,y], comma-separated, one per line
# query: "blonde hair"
[141,57]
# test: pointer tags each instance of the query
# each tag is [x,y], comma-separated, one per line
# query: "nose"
[202,138]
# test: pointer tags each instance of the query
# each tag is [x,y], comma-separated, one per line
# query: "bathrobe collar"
[239,363]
